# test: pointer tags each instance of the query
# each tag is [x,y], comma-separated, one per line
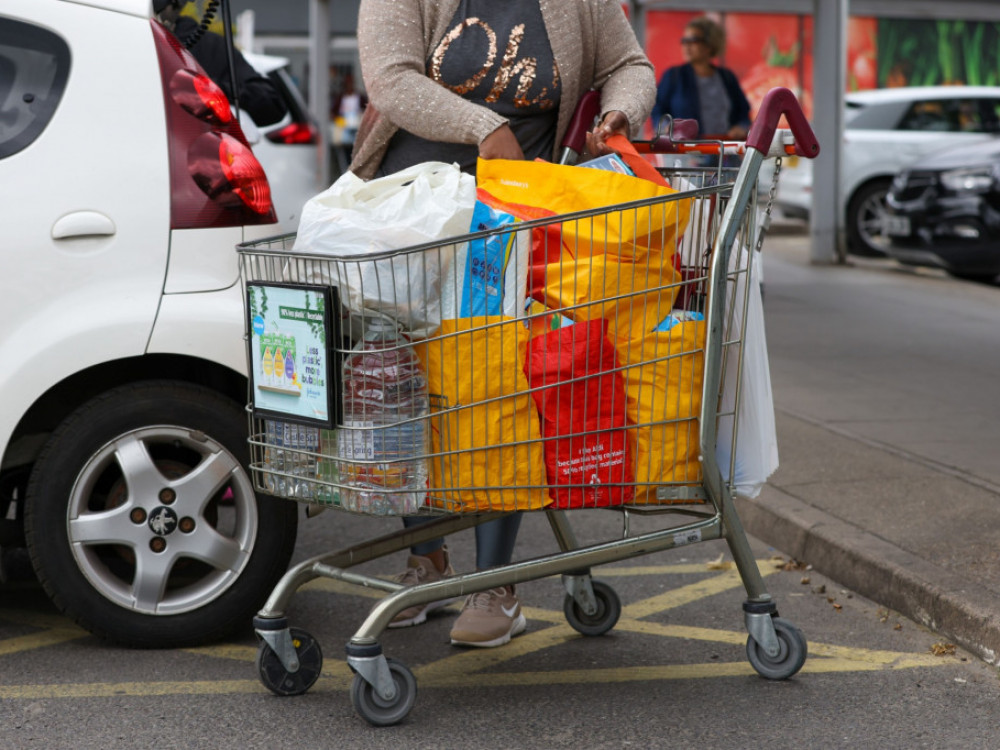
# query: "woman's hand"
[613,123]
[501,144]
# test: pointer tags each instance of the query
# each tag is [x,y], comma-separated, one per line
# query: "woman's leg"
[495,541]
[425,549]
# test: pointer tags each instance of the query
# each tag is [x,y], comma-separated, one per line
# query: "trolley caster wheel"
[279,680]
[609,609]
[376,710]
[792,651]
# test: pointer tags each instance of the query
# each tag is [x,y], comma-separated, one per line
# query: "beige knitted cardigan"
[592,43]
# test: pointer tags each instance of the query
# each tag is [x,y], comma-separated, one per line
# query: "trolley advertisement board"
[293,374]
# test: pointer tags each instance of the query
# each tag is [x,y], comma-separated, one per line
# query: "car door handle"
[82,224]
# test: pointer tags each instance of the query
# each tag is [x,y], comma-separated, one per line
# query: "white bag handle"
[351,191]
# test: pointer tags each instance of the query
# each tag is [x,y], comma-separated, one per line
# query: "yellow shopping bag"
[629,234]
[633,297]
[488,434]
[663,373]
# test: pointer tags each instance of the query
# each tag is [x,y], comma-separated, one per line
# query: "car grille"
[909,186]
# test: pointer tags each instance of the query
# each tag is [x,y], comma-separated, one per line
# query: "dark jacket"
[677,96]
[257,95]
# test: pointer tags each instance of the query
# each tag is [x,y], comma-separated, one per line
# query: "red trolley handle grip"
[586,110]
[777,102]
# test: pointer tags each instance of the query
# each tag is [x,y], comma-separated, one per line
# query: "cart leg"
[776,648]
[383,690]
[736,538]
[370,663]
[275,633]
[578,583]
[562,530]
[760,625]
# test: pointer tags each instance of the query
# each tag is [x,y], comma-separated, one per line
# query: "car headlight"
[968,180]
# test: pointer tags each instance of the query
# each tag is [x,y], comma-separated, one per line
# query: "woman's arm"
[622,71]
[393,48]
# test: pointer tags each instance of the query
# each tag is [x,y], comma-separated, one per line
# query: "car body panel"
[85,298]
[138,8]
[203,260]
[207,326]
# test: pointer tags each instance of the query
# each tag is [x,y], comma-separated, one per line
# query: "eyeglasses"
[692,40]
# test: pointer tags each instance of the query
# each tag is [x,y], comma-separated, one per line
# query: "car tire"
[864,216]
[142,522]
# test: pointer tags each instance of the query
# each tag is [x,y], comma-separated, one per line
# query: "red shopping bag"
[583,410]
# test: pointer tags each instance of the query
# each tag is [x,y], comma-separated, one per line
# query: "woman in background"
[700,90]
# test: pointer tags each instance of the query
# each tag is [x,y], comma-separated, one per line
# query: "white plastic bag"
[354,218]
[757,440]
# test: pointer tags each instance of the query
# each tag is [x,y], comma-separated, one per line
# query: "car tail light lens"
[215,180]
[201,96]
[228,173]
[294,132]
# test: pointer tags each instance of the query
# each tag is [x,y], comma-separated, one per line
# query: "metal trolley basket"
[657,397]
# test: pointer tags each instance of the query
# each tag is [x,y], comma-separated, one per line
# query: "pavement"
[887,424]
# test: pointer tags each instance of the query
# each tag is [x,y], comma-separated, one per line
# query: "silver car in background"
[885,131]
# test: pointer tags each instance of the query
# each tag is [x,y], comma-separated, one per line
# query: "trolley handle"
[575,140]
[777,102]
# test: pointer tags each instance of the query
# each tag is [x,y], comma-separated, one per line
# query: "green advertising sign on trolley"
[289,328]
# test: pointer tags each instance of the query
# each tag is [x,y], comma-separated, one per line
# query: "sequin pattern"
[524,70]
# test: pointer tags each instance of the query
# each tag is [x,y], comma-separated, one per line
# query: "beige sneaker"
[421,570]
[489,618]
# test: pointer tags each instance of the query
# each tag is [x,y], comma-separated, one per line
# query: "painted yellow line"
[40,621]
[444,679]
[332,668]
[117,689]
[225,651]
[693,592]
[475,660]
[467,667]
[40,640]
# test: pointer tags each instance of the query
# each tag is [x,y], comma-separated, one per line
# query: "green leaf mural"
[917,52]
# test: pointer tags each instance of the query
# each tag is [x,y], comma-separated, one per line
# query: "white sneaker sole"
[517,627]
[421,616]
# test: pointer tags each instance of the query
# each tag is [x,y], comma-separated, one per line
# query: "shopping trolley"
[496,421]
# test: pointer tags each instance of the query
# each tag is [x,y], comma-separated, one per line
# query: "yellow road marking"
[465,668]
[443,679]
[39,640]
[693,592]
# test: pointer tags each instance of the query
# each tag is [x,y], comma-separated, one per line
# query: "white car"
[885,131]
[125,185]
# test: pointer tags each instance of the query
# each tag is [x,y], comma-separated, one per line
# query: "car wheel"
[864,220]
[142,522]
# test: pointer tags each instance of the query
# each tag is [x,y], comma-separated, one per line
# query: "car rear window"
[968,115]
[34,65]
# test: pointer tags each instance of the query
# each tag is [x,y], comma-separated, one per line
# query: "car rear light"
[201,96]
[228,173]
[295,132]
[215,180]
